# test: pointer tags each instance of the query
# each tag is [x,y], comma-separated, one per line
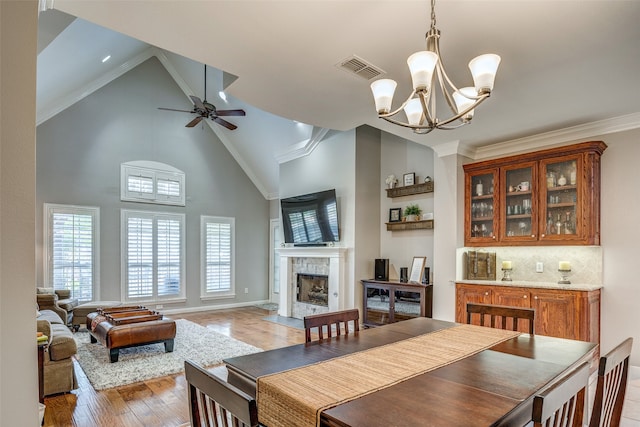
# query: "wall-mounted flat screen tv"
[310,218]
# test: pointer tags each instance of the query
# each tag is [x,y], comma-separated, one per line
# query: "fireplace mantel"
[337,275]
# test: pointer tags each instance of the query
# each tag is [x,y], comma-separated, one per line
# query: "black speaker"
[404,274]
[425,279]
[381,269]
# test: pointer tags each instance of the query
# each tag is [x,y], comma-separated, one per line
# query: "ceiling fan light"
[413,110]
[421,64]
[483,69]
[383,91]
[464,99]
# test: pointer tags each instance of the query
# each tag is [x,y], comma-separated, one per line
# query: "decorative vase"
[411,217]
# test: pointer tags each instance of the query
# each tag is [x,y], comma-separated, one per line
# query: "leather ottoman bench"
[130,327]
[80,312]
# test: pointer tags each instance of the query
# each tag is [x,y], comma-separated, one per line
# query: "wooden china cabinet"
[548,197]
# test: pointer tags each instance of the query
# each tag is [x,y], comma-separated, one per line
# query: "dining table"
[417,372]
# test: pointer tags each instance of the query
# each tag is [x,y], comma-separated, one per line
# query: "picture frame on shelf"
[409,178]
[395,214]
[417,269]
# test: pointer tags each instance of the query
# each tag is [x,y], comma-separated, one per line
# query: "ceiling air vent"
[360,67]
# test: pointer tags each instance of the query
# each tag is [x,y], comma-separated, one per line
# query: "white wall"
[448,232]
[620,227]
[18,351]
[399,156]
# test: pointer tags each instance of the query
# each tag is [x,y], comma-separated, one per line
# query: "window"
[153,255]
[71,250]
[151,182]
[217,256]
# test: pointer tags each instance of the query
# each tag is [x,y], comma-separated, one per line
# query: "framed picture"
[395,214]
[409,178]
[417,269]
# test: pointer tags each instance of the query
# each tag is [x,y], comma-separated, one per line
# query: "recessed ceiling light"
[106,58]
[222,96]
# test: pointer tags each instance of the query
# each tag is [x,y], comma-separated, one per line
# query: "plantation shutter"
[218,257]
[168,250]
[71,257]
[139,257]
[168,187]
[141,185]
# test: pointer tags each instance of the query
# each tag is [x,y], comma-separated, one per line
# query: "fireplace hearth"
[313,289]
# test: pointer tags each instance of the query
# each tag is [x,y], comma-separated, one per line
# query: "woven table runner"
[296,397]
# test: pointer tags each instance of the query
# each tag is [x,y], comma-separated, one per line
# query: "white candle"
[506,265]
[564,265]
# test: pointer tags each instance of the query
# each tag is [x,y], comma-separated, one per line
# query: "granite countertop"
[528,284]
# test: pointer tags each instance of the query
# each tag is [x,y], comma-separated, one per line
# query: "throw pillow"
[44,290]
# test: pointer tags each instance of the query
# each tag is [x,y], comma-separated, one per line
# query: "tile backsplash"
[586,262]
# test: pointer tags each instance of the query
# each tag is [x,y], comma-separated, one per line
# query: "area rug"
[193,342]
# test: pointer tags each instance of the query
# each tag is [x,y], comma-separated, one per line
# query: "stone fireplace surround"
[327,260]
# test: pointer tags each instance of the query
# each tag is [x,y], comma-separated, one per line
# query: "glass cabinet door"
[561,198]
[519,210]
[480,189]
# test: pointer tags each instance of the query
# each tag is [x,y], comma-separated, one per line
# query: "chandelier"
[420,106]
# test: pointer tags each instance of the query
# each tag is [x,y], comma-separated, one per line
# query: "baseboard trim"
[213,307]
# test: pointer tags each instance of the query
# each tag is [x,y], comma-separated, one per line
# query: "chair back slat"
[563,403]
[339,319]
[613,373]
[502,313]
[213,402]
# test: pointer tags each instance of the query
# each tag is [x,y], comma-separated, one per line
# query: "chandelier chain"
[433,13]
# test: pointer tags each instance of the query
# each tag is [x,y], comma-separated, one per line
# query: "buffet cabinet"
[549,197]
[562,313]
[388,302]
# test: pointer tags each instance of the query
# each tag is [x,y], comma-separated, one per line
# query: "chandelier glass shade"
[427,70]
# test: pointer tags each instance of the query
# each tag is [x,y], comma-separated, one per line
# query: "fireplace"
[313,289]
[325,263]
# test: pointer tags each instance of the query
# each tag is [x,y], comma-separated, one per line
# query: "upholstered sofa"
[59,301]
[59,374]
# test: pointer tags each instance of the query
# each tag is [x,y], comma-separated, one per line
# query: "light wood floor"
[161,402]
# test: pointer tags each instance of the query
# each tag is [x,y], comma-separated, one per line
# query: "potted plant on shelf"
[412,212]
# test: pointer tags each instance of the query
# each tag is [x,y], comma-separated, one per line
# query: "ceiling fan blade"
[230,113]
[225,123]
[194,122]
[173,109]
[197,102]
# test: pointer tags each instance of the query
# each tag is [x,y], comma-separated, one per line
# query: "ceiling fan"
[206,110]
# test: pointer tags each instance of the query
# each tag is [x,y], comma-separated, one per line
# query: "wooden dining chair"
[564,403]
[611,386]
[214,402]
[503,312]
[328,320]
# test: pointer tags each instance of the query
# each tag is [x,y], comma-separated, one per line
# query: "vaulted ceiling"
[567,66]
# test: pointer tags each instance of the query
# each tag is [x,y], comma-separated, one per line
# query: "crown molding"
[559,137]
[61,104]
[453,147]
[303,148]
